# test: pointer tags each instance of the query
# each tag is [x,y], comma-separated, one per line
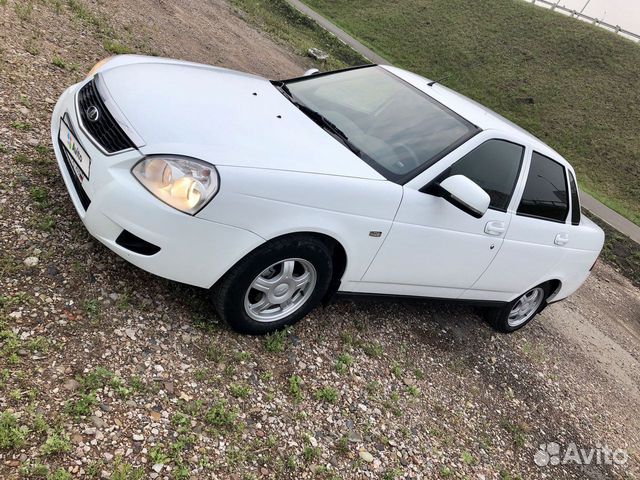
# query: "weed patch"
[12,435]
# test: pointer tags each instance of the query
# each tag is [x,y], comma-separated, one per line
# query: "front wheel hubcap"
[280,290]
[526,306]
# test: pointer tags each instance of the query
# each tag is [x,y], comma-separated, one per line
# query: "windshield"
[395,127]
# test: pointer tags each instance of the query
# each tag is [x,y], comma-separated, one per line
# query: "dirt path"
[109,371]
[203,31]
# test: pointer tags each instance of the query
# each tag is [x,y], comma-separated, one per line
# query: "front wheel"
[275,285]
[516,314]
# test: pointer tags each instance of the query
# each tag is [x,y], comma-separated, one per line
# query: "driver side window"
[494,166]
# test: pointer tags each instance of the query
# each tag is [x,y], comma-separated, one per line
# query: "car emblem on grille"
[93,113]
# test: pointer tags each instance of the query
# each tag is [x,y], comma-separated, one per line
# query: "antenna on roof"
[439,80]
[449,75]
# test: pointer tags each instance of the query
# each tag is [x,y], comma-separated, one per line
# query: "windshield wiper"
[283,86]
[329,126]
[321,120]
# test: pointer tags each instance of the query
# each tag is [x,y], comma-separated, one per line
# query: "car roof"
[474,112]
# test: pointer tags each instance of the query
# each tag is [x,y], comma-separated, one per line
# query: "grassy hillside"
[575,86]
[295,30]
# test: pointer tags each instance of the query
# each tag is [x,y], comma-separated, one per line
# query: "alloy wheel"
[526,306]
[280,290]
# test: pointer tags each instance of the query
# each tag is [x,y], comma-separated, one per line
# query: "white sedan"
[278,194]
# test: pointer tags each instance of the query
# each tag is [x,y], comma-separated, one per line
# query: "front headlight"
[186,184]
[98,66]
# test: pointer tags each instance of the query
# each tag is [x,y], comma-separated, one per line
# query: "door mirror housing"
[465,194]
[311,71]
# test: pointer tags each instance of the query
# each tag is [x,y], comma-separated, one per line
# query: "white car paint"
[204,123]
[280,173]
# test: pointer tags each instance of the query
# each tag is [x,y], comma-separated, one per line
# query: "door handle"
[561,239]
[495,228]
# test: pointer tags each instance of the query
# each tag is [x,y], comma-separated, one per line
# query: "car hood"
[224,117]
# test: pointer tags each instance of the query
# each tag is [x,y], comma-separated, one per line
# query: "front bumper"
[192,250]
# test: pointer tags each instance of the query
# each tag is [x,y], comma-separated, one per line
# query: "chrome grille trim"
[107,132]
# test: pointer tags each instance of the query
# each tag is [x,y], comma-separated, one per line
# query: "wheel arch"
[555,285]
[338,256]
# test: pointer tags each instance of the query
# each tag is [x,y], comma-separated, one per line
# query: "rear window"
[545,194]
[575,201]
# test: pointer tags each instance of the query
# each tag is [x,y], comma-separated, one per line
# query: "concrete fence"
[581,16]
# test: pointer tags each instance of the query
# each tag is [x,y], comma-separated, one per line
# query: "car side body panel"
[357,213]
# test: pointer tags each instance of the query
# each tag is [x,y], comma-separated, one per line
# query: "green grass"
[81,406]
[221,415]
[327,394]
[276,342]
[61,474]
[295,387]
[517,431]
[239,391]
[92,307]
[468,458]
[413,390]
[157,455]
[59,62]
[115,47]
[584,81]
[621,252]
[310,453]
[34,470]
[19,125]
[40,195]
[12,435]
[56,443]
[372,349]
[41,164]
[86,16]
[343,362]
[288,26]
[126,471]
[23,9]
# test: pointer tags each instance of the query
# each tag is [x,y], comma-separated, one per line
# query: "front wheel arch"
[232,295]
[338,256]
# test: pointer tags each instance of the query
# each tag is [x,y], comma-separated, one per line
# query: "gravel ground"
[109,372]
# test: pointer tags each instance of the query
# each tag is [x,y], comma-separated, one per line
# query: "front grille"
[105,130]
[82,195]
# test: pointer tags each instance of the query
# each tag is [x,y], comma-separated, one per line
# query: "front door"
[436,249]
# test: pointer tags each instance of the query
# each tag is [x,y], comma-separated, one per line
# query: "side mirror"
[311,71]
[465,194]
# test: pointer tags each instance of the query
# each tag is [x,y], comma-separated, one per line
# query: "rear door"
[537,237]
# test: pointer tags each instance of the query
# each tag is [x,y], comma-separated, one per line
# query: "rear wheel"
[516,314]
[275,286]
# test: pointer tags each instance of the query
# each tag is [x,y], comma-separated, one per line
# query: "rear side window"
[494,166]
[545,194]
[575,201]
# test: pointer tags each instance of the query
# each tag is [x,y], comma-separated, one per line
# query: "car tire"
[512,316]
[295,271]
